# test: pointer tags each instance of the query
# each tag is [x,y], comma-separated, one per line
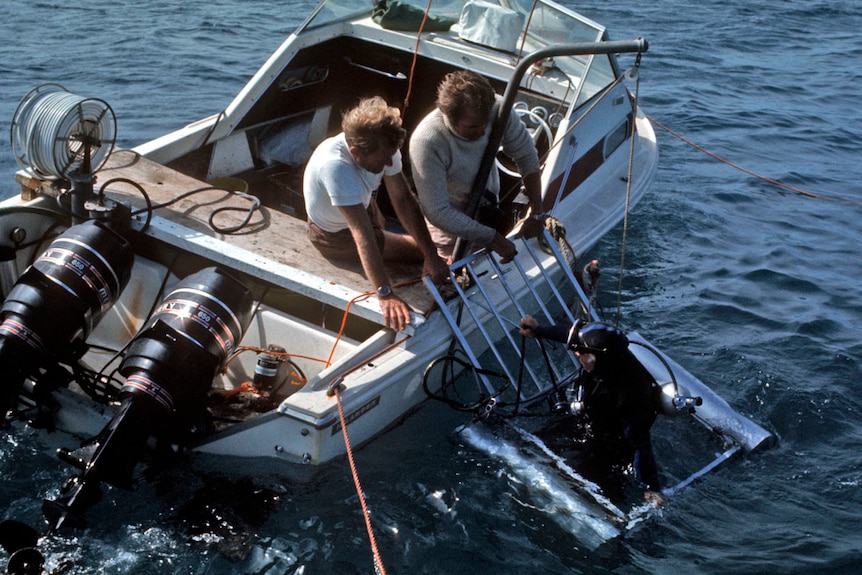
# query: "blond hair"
[373,124]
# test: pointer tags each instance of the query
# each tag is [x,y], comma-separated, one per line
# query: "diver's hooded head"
[603,340]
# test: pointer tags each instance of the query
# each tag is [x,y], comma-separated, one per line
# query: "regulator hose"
[448,398]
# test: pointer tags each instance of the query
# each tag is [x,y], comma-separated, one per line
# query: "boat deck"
[273,245]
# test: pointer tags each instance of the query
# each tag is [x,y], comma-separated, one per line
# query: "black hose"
[447,382]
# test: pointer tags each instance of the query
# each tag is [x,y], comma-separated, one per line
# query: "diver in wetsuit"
[619,396]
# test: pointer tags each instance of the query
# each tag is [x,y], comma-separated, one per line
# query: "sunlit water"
[752,287]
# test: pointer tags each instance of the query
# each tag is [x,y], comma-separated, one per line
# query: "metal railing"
[491,298]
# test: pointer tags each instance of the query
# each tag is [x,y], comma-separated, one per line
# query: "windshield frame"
[549,23]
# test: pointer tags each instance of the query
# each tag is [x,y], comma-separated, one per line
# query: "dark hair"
[464,90]
[373,124]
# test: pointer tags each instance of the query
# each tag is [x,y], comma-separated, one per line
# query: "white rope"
[52,127]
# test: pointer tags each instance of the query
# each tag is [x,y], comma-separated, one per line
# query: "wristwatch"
[540,217]
[384,292]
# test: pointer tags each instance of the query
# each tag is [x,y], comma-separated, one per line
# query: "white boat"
[184,271]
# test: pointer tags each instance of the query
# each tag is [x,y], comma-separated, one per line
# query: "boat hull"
[313,360]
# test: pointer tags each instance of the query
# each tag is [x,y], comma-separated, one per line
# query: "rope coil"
[52,129]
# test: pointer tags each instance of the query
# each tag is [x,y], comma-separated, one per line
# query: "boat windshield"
[330,11]
[549,24]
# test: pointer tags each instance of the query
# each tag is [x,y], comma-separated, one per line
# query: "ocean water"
[752,287]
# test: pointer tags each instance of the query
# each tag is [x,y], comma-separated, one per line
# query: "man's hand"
[654,498]
[436,267]
[504,248]
[396,314]
[531,228]
[528,326]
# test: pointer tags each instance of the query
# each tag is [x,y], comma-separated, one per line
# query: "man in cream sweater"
[446,150]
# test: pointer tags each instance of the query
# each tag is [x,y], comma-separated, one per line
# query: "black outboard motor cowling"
[169,368]
[193,332]
[58,300]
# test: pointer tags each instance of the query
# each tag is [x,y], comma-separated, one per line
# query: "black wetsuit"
[619,402]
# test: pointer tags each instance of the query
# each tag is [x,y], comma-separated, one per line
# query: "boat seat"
[287,141]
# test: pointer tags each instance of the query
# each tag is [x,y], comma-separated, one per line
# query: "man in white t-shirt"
[344,222]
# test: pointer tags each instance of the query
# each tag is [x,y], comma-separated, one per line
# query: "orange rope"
[346,315]
[749,172]
[343,324]
[415,56]
[246,387]
[242,348]
[526,27]
[378,563]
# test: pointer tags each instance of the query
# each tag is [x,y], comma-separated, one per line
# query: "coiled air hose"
[53,130]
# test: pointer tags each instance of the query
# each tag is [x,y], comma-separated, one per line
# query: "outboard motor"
[169,368]
[58,300]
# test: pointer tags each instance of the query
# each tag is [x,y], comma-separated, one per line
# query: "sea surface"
[751,286]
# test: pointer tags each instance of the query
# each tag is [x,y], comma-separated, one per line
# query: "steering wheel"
[542,127]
